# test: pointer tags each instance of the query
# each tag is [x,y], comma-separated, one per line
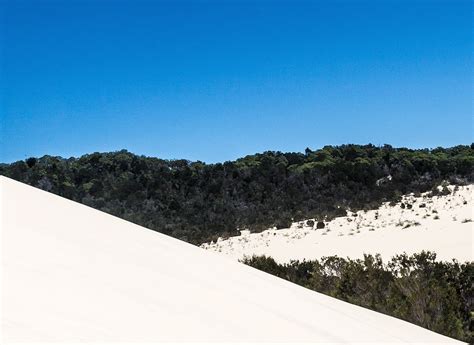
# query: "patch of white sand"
[443,224]
[71,273]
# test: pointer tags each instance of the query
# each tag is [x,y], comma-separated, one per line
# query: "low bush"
[432,294]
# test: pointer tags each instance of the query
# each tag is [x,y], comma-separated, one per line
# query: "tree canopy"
[199,202]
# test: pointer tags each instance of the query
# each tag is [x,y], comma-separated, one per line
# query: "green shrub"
[433,294]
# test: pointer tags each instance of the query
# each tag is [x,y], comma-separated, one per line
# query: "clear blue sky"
[217,80]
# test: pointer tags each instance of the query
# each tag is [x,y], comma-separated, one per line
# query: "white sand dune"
[443,224]
[70,273]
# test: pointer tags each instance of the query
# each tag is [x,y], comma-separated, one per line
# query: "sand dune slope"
[442,224]
[71,273]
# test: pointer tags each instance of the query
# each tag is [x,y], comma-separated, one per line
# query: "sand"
[70,273]
[443,224]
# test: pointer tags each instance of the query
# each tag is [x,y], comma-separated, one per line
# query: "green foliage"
[436,295]
[199,202]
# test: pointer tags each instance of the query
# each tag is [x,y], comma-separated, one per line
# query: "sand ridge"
[443,224]
[74,274]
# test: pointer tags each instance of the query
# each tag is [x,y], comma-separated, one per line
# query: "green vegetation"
[436,295]
[199,202]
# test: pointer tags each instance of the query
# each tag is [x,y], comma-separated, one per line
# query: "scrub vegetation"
[419,289]
[199,202]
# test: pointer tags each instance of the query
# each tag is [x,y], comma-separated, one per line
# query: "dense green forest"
[419,289]
[199,202]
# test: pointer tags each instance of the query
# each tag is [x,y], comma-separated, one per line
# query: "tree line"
[419,289]
[199,202]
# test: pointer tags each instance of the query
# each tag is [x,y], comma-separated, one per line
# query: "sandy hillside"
[443,224]
[70,273]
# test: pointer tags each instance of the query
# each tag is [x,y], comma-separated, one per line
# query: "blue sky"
[218,80]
